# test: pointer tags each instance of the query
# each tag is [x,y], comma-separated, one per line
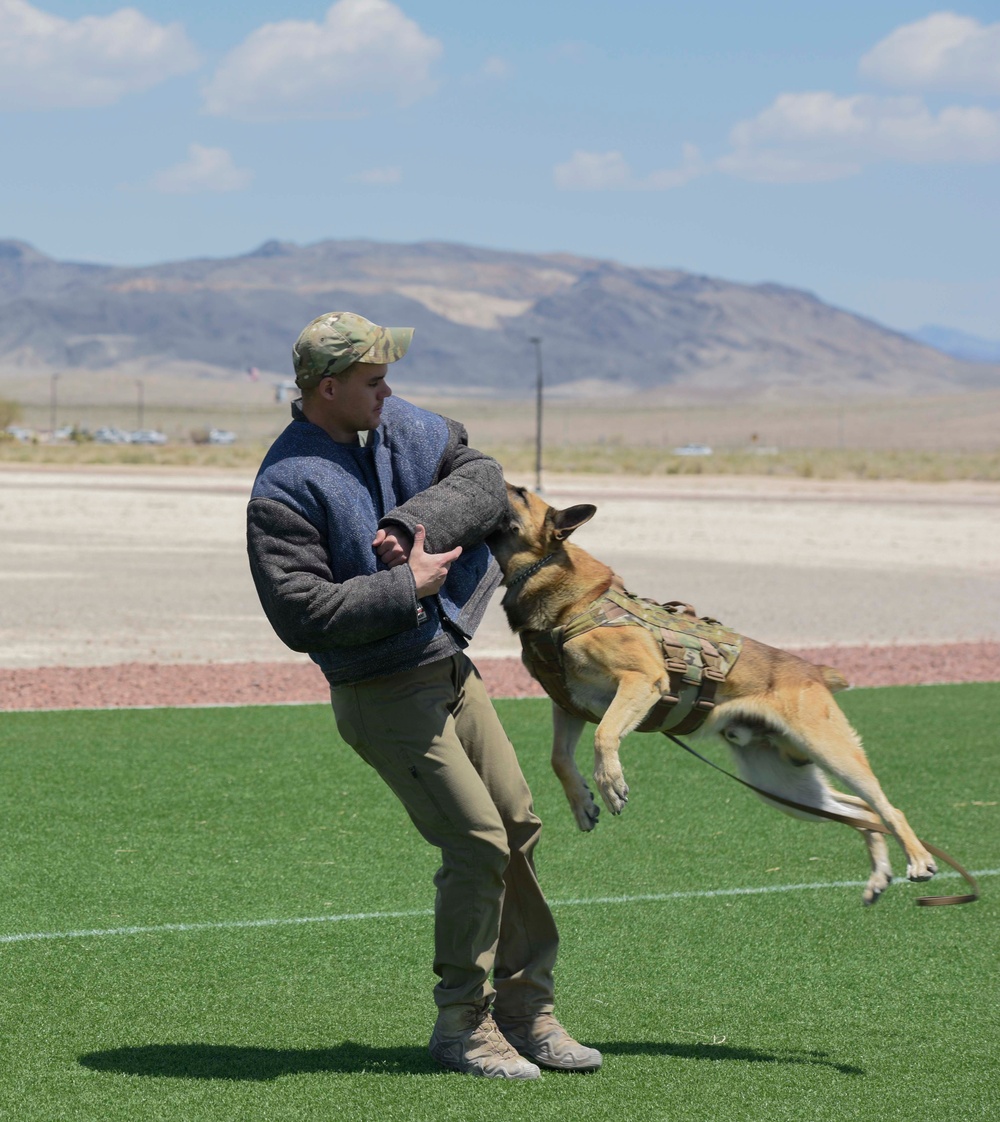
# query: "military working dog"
[775,711]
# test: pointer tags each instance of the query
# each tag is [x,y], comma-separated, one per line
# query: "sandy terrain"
[112,573]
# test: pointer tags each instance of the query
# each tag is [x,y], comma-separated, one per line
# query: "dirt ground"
[131,587]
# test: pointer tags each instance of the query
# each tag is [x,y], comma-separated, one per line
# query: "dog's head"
[532,529]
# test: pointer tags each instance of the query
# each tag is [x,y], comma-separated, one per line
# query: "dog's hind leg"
[878,851]
[566,730]
[838,752]
[764,761]
[813,727]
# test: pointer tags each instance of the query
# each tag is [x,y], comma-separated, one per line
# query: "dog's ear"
[566,521]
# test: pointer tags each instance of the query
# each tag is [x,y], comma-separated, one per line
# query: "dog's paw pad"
[921,870]
[614,792]
[586,819]
[876,885]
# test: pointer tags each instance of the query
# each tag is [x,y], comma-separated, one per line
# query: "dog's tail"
[834,679]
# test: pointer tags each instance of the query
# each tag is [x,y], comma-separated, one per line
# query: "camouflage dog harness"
[697,653]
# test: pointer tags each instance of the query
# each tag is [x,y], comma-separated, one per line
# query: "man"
[365,534]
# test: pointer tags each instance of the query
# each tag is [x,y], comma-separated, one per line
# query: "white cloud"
[610,171]
[379,177]
[592,171]
[205,169]
[817,136]
[366,55]
[942,51]
[47,62]
[803,137]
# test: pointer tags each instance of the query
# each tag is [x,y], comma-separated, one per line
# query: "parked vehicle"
[108,434]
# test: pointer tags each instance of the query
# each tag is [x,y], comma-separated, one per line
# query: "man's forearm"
[461,509]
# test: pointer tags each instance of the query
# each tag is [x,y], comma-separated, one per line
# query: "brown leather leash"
[876,827]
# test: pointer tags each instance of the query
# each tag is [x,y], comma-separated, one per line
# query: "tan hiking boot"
[466,1038]
[542,1038]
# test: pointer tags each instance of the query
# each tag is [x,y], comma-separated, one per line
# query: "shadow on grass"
[230,1061]
[724,1052]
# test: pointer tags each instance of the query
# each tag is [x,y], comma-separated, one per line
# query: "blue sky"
[850,149]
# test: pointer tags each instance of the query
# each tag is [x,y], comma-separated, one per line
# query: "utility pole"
[538,413]
[53,403]
[140,405]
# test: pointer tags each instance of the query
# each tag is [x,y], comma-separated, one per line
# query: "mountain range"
[606,328]
[958,344]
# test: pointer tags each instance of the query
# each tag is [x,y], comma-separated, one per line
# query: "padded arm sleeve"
[307,609]
[467,501]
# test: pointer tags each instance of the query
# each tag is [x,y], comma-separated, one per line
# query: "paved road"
[100,567]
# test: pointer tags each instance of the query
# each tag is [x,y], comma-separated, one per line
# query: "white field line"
[650,898]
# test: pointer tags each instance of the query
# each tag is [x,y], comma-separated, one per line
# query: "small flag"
[253,373]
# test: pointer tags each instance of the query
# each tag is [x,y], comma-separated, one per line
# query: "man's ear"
[566,521]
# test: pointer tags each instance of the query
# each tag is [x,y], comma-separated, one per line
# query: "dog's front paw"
[586,811]
[614,790]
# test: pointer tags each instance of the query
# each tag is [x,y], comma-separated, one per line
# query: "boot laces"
[486,1027]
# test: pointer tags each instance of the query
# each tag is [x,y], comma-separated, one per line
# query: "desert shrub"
[10,412]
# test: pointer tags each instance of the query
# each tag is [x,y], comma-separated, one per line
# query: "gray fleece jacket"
[315,507]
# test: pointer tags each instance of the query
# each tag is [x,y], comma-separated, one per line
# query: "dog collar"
[529,571]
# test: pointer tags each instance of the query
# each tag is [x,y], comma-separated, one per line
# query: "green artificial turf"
[792,1004]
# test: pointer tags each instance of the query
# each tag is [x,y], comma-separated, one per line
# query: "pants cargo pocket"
[429,794]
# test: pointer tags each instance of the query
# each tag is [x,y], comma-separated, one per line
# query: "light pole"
[538,412]
[53,402]
[140,404]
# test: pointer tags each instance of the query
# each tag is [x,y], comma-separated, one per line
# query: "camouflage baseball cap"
[332,342]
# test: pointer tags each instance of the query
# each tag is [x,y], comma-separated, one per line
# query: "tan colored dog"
[775,711]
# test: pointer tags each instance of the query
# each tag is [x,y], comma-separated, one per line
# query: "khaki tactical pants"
[433,736]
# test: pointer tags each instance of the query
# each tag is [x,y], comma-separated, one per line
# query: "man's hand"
[393,546]
[429,569]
